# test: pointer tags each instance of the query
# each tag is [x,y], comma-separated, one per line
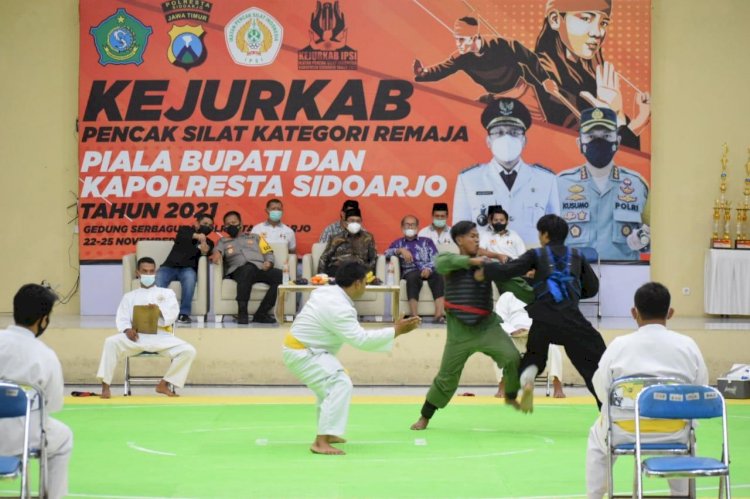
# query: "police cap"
[598,117]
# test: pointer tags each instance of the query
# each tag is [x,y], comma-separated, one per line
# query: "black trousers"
[249,274]
[414,284]
[583,345]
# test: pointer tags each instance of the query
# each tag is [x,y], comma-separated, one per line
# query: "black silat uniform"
[559,323]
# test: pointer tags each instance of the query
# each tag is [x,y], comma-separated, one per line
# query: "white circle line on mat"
[133,446]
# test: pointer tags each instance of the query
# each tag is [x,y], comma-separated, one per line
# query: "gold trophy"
[743,238]
[722,209]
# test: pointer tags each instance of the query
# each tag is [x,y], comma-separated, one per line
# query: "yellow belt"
[653,425]
[292,342]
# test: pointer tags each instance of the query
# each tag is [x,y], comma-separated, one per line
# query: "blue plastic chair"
[18,401]
[621,408]
[682,402]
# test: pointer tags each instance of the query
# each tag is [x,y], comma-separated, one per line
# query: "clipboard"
[146,319]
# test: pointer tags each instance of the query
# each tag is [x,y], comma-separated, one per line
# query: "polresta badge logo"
[253,37]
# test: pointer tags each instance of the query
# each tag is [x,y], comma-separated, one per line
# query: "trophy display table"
[294,288]
[726,289]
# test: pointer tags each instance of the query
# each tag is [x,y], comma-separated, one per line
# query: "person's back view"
[26,360]
[652,350]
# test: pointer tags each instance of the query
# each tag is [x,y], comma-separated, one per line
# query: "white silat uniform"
[326,322]
[25,359]
[117,347]
[534,194]
[513,313]
[652,350]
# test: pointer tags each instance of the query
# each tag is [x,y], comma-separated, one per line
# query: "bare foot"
[321,446]
[513,403]
[105,391]
[163,387]
[527,398]
[333,439]
[558,393]
[500,390]
[421,423]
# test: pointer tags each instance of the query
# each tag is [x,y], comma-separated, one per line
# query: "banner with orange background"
[191,106]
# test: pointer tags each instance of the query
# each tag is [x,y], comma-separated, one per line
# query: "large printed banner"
[192,106]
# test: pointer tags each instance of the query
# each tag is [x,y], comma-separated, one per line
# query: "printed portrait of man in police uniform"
[604,204]
[526,191]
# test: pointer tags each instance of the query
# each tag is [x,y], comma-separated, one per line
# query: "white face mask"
[354,227]
[410,232]
[507,148]
[148,280]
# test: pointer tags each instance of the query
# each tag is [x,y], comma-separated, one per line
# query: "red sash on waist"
[466,308]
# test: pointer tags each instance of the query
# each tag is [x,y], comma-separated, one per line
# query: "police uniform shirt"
[431,232]
[279,233]
[509,243]
[603,218]
[534,194]
[245,248]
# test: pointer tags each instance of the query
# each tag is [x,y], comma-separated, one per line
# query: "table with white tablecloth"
[726,288]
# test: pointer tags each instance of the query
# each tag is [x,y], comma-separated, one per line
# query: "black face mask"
[205,230]
[40,330]
[232,230]
[599,152]
[499,227]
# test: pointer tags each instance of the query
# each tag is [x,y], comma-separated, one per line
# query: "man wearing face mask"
[273,229]
[131,341]
[439,230]
[190,244]
[25,359]
[248,259]
[604,204]
[417,262]
[356,244]
[497,241]
[526,191]
[338,228]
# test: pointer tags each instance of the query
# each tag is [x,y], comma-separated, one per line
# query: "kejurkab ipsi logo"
[327,48]
[253,37]
[121,39]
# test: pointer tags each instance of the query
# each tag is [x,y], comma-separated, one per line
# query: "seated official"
[131,340]
[439,230]
[190,244]
[652,350]
[416,257]
[24,359]
[497,241]
[338,228]
[248,259]
[356,245]
[273,229]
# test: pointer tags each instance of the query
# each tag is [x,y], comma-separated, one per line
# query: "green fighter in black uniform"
[472,324]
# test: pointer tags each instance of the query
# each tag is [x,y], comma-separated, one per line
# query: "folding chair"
[19,400]
[621,417]
[689,402]
[129,377]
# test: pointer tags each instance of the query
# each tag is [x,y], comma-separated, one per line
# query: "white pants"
[596,466]
[554,358]
[59,448]
[326,377]
[117,347]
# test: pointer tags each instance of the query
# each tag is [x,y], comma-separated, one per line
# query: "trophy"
[743,238]
[720,238]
